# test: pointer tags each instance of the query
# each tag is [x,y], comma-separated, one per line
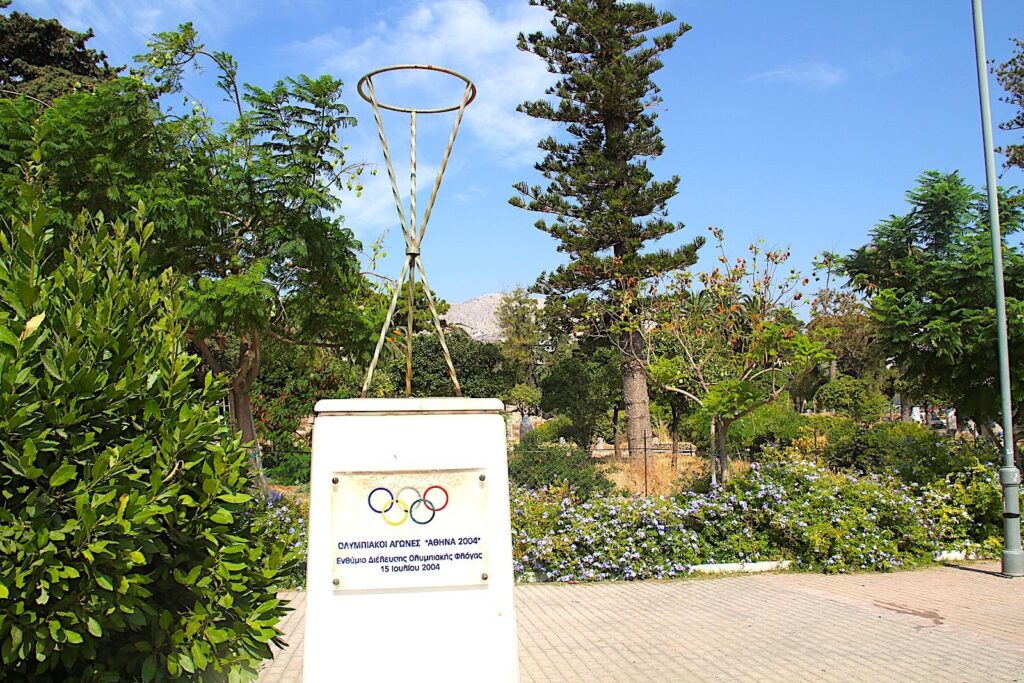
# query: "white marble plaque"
[403,530]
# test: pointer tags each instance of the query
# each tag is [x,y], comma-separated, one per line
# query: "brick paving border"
[961,623]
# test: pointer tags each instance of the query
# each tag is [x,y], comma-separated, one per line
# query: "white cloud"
[818,75]
[467,36]
[123,26]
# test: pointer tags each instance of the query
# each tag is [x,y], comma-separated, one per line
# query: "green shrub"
[539,462]
[911,450]
[280,521]
[857,398]
[836,522]
[551,464]
[776,424]
[829,428]
[126,548]
[292,379]
[550,431]
[966,510]
[287,466]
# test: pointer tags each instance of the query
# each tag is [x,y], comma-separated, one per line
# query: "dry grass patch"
[659,477]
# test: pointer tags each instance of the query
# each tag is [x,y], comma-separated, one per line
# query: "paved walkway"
[939,624]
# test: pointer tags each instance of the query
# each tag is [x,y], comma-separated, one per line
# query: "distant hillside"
[477,317]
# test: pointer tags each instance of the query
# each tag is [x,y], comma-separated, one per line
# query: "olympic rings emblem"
[408,504]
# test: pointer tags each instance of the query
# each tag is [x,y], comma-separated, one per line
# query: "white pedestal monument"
[410,548]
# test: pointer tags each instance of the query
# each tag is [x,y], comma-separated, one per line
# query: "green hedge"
[913,451]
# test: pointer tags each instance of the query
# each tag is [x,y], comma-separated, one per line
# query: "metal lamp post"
[1009,475]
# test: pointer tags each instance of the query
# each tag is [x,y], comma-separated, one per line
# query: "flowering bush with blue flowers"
[787,508]
[965,510]
[280,522]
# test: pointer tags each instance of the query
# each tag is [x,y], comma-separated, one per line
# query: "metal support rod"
[408,333]
[384,330]
[466,96]
[437,326]
[412,249]
[412,173]
[1009,475]
[387,161]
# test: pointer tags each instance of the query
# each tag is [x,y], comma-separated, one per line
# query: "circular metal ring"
[398,496]
[422,502]
[423,67]
[391,501]
[405,514]
[431,505]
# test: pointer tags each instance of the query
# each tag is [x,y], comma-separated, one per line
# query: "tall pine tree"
[43,60]
[603,198]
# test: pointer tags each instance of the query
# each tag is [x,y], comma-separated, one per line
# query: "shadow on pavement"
[977,570]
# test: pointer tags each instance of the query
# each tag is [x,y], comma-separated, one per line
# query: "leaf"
[31,326]
[104,582]
[235,498]
[198,656]
[94,627]
[221,516]
[149,668]
[4,592]
[64,474]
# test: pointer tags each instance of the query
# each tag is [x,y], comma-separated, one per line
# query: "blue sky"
[799,122]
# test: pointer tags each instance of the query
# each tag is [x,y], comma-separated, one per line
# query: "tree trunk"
[905,409]
[714,451]
[722,449]
[241,416]
[239,403]
[988,433]
[675,436]
[615,432]
[634,390]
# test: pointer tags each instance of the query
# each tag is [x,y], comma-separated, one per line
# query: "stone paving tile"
[938,624]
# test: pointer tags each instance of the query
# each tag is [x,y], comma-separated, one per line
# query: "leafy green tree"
[524,397]
[127,546]
[97,151]
[852,397]
[481,369]
[1010,75]
[245,210]
[842,321]
[520,334]
[928,277]
[604,200]
[266,253]
[582,386]
[42,60]
[728,340]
